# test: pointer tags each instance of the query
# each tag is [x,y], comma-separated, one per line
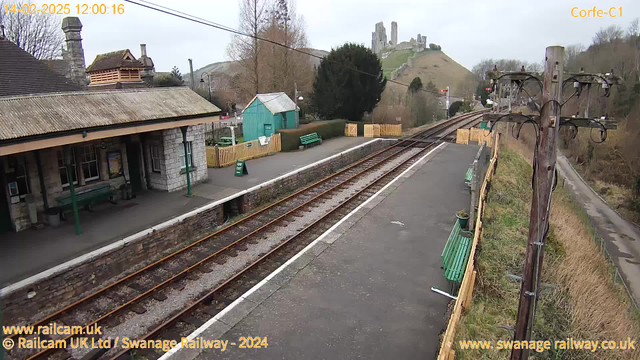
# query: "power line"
[185,16]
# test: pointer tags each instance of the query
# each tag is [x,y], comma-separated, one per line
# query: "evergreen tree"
[175,72]
[416,85]
[341,92]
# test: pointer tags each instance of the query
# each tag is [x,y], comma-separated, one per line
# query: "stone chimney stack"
[149,69]
[74,54]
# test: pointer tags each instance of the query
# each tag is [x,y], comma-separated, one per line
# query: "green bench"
[310,139]
[468,176]
[225,141]
[88,197]
[455,254]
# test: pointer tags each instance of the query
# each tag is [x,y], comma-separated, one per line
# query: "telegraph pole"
[543,181]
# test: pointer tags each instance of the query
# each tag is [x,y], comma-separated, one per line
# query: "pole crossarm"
[597,123]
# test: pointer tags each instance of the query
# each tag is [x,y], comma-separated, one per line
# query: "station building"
[115,137]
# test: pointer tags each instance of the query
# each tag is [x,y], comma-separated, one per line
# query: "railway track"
[266,236]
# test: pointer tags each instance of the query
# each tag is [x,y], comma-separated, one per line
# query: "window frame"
[189,152]
[156,158]
[93,159]
[60,157]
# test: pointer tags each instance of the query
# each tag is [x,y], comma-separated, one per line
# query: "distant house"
[120,69]
[267,113]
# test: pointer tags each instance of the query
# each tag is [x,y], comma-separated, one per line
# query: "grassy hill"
[429,65]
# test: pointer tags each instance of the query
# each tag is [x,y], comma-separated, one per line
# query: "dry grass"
[599,308]
[586,305]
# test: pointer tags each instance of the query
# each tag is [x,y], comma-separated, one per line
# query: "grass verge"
[585,304]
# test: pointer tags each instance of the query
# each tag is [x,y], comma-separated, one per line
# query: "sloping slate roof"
[58,65]
[24,116]
[275,102]
[113,60]
[21,73]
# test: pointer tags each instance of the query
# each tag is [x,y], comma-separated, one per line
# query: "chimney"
[74,54]
[149,69]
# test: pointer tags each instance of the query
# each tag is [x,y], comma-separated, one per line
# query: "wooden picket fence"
[480,135]
[225,156]
[377,130]
[466,288]
[351,130]
[462,136]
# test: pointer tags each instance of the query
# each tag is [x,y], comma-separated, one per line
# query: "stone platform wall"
[65,286]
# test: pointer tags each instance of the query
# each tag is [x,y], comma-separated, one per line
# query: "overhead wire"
[189,17]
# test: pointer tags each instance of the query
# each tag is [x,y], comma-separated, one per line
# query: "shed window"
[156,157]
[189,154]
[64,179]
[89,162]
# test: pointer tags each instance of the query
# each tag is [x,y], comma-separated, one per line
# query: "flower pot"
[462,221]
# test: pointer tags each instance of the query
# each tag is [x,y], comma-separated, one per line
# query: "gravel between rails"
[134,325]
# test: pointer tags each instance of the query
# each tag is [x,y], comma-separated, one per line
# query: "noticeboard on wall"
[114,163]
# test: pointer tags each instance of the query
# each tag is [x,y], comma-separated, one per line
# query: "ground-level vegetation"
[583,301]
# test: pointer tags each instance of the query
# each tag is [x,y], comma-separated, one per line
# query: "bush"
[326,129]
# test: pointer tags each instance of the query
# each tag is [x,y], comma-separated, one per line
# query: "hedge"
[326,129]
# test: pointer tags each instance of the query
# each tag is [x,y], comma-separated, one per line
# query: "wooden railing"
[466,288]
[351,130]
[225,156]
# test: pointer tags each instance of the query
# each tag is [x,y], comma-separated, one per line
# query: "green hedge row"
[326,129]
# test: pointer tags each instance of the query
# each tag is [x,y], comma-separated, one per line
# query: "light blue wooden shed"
[267,113]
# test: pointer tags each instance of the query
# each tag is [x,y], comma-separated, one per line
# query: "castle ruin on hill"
[380,44]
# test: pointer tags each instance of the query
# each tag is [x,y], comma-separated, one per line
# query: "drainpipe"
[68,164]
[43,187]
[186,158]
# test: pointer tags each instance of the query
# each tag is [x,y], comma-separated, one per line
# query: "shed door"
[268,130]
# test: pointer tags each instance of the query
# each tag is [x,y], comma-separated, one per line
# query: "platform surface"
[365,292]
[29,252]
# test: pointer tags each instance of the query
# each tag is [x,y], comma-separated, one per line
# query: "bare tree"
[571,52]
[481,68]
[38,34]
[284,67]
[535,67]
[634,28]
[246,49]
[609,34]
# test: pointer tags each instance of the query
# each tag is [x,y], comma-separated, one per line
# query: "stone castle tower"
[73,55]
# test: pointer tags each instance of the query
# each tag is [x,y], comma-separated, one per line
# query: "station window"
[89,162]
[64,179]
[189,154]
[17,178]
[156,157]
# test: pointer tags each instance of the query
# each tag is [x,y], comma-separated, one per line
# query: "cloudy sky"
[467,30]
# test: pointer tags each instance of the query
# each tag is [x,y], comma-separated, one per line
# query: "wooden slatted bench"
[455,254]
[88,197]
[310,139]
[468,176]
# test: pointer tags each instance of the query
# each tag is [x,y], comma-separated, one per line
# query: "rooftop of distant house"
[121,59]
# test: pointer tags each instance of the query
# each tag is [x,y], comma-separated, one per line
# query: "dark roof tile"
[113,60]
[21,73]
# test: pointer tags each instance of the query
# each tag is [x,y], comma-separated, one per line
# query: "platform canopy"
[33,122]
